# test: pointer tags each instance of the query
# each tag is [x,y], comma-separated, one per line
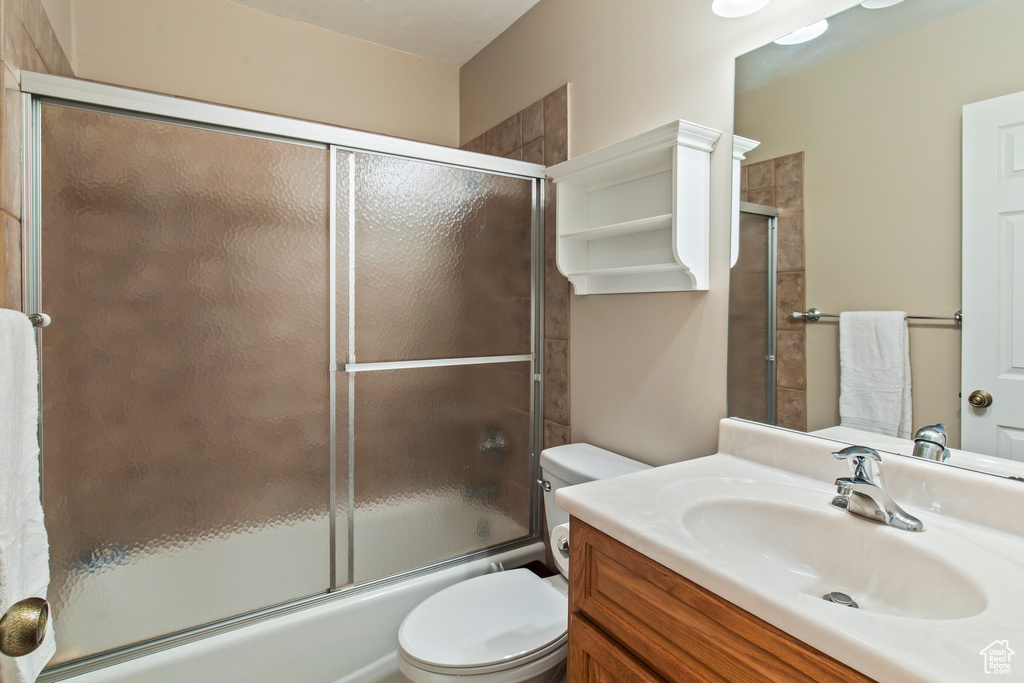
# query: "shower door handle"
[23,627]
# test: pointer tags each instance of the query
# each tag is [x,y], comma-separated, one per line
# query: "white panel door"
[993,276]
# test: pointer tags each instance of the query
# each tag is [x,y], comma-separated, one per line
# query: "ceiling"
[448,31]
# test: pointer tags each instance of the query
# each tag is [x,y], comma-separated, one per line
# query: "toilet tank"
[578,463]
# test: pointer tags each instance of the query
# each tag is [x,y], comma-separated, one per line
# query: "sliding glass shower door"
[184,378]
[275,369]
[436,280]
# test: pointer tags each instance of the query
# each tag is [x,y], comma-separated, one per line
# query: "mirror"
[851,201]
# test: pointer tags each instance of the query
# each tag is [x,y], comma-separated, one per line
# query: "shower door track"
[39,88]
[191,112]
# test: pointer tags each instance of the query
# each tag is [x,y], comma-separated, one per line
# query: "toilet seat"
[487,624]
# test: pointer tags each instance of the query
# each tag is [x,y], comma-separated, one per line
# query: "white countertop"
[972,528]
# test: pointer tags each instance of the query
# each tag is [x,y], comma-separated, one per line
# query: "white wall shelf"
[624,228]
[644,268]
[634,216]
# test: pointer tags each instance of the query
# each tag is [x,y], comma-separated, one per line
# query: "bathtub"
[352,639]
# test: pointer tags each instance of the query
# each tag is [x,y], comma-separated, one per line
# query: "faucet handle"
[860,455]
[856,452]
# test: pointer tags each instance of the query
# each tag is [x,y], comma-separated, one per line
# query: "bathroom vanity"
[714,569]
[623,603]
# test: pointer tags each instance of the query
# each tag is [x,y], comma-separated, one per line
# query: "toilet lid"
[485,621]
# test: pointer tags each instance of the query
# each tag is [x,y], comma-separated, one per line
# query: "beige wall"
[29,42]
[881,134]
[221,52]
[647,370]
[59,14]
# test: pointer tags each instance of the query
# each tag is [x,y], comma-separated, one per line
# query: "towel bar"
[813,315]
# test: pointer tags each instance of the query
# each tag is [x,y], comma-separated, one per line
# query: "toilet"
[507,626]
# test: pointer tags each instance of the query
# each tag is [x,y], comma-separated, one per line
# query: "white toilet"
[506,626]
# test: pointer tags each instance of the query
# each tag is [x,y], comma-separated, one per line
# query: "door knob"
[980,398]
[23,627]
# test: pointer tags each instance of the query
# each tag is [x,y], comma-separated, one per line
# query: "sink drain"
[840,599]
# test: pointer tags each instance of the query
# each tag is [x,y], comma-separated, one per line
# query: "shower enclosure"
[286,360]
[753,317]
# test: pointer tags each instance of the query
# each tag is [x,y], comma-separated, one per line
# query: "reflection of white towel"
[24,552]
[874,377]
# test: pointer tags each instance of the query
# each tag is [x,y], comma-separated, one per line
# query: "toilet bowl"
[506,626]
[509,626]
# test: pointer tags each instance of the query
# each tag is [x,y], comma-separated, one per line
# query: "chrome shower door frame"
[43,88]
[349,368]
[770,214]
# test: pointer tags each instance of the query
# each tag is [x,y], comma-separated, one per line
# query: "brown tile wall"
[28,43]
[540,134]
[779,182]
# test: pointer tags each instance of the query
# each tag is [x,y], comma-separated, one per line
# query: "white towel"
[24,551]
[874,377]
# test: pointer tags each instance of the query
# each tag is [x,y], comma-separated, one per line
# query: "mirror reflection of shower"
[753,317]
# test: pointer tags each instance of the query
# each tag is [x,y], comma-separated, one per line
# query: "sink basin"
[811,549]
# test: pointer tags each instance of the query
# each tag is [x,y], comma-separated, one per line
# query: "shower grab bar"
[429,363]
[813,315]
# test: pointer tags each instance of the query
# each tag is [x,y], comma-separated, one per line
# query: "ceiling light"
[879,4]
[802,35]
[736,8]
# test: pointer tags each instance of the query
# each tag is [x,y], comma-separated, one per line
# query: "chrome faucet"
[862,494]
[930,443]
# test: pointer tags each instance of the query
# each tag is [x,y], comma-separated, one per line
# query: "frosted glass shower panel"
[442,261]
[442,463]
[185,375]
[749,389]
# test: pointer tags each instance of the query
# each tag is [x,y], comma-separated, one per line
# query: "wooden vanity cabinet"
[632,619]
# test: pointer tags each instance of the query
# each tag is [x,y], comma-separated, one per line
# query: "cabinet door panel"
[593,658]
[680,630]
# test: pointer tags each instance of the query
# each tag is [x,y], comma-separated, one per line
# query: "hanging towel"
[874,372]
[24,551]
